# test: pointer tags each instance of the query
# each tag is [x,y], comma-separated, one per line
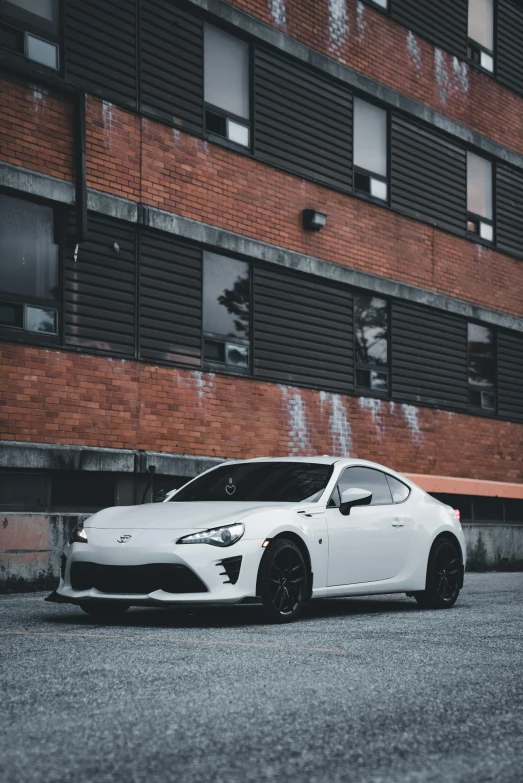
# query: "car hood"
[175,516]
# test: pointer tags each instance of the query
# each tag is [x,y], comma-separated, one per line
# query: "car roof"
[325,459]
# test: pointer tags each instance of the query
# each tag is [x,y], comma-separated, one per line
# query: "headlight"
[79,535]
[218,536]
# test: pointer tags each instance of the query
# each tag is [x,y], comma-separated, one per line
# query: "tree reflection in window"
[226,310]
[371,331]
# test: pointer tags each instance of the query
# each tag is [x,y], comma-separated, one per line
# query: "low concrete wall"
[31,545]
[494,546]
[30,549]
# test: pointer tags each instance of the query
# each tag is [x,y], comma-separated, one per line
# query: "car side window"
[399,490]
[366,478]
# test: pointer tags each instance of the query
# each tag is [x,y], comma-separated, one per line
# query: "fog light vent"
[231,566]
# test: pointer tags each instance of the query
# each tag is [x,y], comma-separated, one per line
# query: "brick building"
[258,227]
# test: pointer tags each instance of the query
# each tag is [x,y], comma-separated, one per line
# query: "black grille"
[138,580]
[231,566]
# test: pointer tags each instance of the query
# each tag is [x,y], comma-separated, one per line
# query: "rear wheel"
[443,576]
[284,579]
[104,608]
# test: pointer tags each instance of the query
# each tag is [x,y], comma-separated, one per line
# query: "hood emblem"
[230,488]
[123,539]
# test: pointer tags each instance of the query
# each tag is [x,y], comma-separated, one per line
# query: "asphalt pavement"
[369,689]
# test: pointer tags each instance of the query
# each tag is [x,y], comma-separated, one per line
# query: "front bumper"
[203,560]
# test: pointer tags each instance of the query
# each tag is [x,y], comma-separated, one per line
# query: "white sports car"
[275,531]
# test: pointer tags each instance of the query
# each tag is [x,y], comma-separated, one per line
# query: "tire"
[443,576]
[104,608]
[283,582]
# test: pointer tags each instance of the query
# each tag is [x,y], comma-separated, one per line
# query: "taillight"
[457,513]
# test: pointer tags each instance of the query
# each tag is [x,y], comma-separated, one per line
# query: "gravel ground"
[369,689]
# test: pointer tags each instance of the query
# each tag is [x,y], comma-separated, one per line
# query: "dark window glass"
[226,310]
[41,15]
[399,490]
[24,491]
[481,366]
[270,482]
[513,510]
[12,315]
[79,490]
[371,332]
[488,509]
[28,253]
[11,38]
[366,478]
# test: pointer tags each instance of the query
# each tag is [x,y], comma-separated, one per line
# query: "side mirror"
[354,497]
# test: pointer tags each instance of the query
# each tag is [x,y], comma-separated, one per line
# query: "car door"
[370,544]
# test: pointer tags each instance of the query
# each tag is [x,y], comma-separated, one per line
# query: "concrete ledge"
[42,456]
[496,547]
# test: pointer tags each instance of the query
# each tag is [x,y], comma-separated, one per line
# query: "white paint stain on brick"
[392,408]
[297,422]
[451,76]
[278,12]
[414,51]
[360,20]
[339,425]
[461,74]
[374,407]
[338,25]
[410,412]
[441,74]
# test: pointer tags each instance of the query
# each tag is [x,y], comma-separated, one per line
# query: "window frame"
[475,49]
[21,334]
[336,503]
[208,365]
[472,217]
[368,390]
[24,23]
[478,409]
[223,113]
[358,170]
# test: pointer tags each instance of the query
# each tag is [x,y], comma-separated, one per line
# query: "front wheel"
[283,581]
[104,608]
[443,576]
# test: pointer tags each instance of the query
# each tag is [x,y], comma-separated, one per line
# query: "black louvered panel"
[428,176]
[302,330]
[172,64]
[444,22]
[303,121]
[170,299]
[100,288]
[429,356]
[509,209]
[101,48]
[509,37]
[510,375]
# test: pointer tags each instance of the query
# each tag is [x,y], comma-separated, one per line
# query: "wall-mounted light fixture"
[312,220]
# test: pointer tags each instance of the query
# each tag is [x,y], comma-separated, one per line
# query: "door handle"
[397,522]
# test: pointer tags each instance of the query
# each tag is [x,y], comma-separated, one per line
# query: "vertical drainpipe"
[80,175]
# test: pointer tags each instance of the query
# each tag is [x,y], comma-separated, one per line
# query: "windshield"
[271,482]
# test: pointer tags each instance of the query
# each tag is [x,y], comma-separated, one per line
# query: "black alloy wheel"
[104,608]
[284,579]
[443,576]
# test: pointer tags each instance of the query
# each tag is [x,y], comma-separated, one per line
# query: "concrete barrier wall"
[31,545]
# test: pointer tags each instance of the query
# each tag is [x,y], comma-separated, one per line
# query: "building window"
[226,311]
[370,150]
[481,33]
[371,337]
[31,29]
[479,197]
[226,85]
[481,367]
[381,3]
[29,267]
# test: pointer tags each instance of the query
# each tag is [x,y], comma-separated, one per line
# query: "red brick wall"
[370,42]
[35,129]
[57,397]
